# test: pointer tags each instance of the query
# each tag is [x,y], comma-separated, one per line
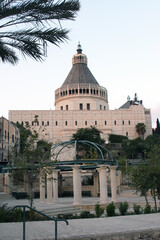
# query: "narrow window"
[88,106]
[104,107]
[85,122]
[66,107]
[56,123]
[5,134]
[81,106]
[61,107]
[95,122]
[122,122]
[115,123]
[42,123]
[80,90]
[66,123]
[100,107]
[105,122]
[127,134]
[32,123]
[76,123]
[13,138]
[47,123]
[37,123]
[69,91]
[129,122]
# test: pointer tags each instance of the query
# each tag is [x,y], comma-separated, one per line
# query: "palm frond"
[7,55]
[42,14]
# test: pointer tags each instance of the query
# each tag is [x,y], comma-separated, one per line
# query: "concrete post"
[113,183]
[42,189]
[49,189]
[103,183]
[55,185]
[77,188]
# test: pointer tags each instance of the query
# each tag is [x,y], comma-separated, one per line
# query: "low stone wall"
[152,234]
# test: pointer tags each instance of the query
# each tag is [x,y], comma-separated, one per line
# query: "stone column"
[42,189]
[77,188]
[7,185]
[103,183]
[113,183]
[55,185]
[49,189]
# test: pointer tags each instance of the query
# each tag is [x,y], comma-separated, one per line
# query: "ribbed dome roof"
[79,73]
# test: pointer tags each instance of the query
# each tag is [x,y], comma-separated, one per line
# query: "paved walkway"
[78,229]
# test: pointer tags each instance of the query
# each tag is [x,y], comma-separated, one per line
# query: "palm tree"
[27,26]
[141,129]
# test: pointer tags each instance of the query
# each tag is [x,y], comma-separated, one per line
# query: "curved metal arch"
[95,144]
[106,151]
[92,147]
[97,147]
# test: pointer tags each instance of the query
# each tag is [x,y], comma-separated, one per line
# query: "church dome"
[80,90]
[80,72]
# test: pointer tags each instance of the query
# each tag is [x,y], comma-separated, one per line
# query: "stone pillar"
[113,183]
[49,189]
[103,183]
[42,189]
[55,185]
[77,188]
[7,184]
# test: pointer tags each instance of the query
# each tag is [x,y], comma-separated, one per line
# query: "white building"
[81,102]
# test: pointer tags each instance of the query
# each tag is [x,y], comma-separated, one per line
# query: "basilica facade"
[81,102]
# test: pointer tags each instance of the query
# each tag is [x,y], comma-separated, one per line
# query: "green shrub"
[99,211]
[110,209]
[86,214]
[17,215]
[5,213]
[147,209]
[123,208]
[137,209]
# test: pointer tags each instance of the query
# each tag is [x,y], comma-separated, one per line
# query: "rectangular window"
[76,123]
[81,106]
[32,123]
[95,122]
[104,107]
[88,106]
[127,134]
[85,122]
[47,123]
[122,122]
[13,138]
[42,123]
[61,107]
[100,107]
[66,107]
[115,123]
[56,123]
[129,122]
[66,123]
[5,134]
[37,123]
[105,122]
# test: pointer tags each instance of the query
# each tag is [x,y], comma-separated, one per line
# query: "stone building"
[9,138]
[81,102]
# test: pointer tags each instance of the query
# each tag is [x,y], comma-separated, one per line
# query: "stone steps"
[5,196]
[63,210]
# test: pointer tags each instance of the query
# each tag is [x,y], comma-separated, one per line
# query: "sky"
[121,39]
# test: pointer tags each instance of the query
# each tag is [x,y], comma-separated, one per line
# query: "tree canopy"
[27,26]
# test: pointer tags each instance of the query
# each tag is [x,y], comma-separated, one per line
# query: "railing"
[56,220]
